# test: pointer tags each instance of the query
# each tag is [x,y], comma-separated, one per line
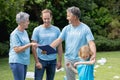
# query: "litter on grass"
[102,61]
[96,66]
[30,75]
[116,77]
[61,69]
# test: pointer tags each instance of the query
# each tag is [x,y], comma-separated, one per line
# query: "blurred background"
[102,16]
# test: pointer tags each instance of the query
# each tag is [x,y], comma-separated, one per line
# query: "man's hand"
[39,65]
[92,57]
[59,65]
[75,64]
[44,52]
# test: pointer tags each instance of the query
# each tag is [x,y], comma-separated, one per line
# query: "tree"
[8,10]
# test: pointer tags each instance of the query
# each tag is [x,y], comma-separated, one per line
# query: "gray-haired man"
[76,34]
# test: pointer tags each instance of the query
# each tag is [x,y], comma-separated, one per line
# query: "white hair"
[21,17]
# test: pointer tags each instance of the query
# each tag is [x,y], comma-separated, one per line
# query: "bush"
[105,44]
[4,48]
[31,27]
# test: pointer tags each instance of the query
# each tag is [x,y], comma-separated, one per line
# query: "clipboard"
[48,49]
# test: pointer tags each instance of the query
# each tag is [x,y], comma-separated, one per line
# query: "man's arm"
[72,68]
[60,52]
[38,64]
[55,43]
[93,49]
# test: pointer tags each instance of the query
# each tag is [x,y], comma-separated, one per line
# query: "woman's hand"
[33,44]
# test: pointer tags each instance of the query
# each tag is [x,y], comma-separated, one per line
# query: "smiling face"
[73,15]
[46,17]
[70,17]
[25,24]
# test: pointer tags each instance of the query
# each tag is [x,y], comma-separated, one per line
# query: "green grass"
[102,73]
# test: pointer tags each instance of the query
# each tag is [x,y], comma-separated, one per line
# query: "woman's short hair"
[22,17]
[75,11]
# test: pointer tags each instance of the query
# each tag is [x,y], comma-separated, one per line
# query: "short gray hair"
[75,11]
[21,17]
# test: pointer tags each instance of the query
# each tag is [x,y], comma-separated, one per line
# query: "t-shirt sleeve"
[34,35]
[15,41]
[58,32]
[89,35]
[63,34]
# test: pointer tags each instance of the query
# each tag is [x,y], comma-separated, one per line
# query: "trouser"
[49,66]
[69,73]
[19,71]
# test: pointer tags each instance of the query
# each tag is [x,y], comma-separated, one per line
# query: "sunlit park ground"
[107,67]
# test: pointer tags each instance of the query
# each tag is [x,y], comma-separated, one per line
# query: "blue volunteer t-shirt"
[18,38]
[45,36]
[75,38]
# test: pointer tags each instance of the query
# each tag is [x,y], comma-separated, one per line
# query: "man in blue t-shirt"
[45,34]
[75,34]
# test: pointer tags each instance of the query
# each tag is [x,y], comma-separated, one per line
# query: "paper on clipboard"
[48,49]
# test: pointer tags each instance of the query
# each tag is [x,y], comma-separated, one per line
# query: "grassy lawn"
[104,72]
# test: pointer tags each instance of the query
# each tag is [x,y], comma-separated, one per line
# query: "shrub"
[4,48]
[31,27]
[105,44]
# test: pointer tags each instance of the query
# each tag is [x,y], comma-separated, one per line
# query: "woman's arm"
[22,48]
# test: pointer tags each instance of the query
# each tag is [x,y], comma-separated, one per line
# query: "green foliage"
[4,48]
[112,5]
[105,44]
[101,16]
[8,11]
[57,7]
[31,27]
[114,29]
[9,8]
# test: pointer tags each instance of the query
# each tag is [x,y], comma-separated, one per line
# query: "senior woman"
[19,53]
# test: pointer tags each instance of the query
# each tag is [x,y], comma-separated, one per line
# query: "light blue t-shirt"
[45,36]
[75,38]
[18,38]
